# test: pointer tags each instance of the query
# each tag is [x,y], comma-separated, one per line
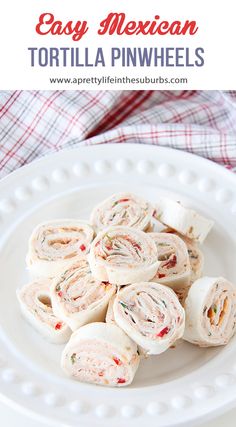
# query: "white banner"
[57,44]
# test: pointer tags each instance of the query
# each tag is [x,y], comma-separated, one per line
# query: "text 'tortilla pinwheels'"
[151,315]
[55,245]
[123,209]
[210,312]
[35,304]
[123,255]
[101,353]
[78,298]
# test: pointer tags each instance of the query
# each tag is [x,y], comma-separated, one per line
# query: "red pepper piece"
[163,332]
[82,247]
[58,325]
[121,381]
[117,361]
[59,294]
[160,275]
[171,262]
[100,374]
[108,243]
[123,200]
[108,246]
[134,244]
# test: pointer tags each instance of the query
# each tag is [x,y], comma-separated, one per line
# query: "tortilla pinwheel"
[210,312]
[174,270]
[124,209]
[35,303]
[123,255]
[101,353]
[151,315]
[184,220]
[56,245]
[78,298]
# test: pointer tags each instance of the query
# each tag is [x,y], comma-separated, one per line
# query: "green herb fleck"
[73,358]
[58,288]
[163,302]
[215,309]
[123,305]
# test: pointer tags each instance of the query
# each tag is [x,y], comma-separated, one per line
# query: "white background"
[216,34]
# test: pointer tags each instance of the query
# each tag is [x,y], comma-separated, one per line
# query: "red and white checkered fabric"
[35,123]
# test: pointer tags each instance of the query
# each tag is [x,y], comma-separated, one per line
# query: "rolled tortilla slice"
[101,353]
[110,313]
[35,304]
[185,221]
[196,257]
[124,209]
[151,315]
[55,245]
[157,226]
[123,255]
[210,312]
[174,269]
[78,298]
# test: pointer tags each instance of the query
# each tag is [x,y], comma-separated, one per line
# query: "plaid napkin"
[35,123]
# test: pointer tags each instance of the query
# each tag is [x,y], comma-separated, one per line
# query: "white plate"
[181,386]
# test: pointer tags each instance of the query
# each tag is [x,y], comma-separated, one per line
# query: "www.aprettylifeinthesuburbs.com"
[98,81]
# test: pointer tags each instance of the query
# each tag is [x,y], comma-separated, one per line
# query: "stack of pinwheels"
[126,285]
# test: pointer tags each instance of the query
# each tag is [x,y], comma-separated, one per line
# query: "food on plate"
[196,257]
[210,312]
[150,313]
[186,221]
[123,255]
[78,298]
[56,245]
[35,303]
[110,313]
[174,270]
[126,292]
[101,353]
[123,209]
